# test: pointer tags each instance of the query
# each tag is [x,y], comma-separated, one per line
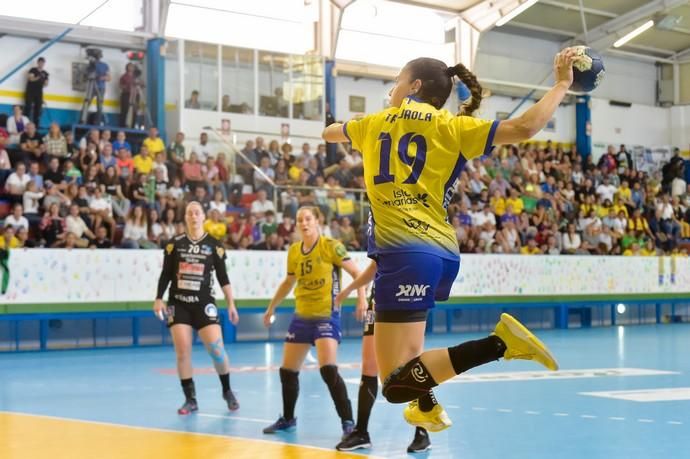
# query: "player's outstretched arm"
[525,126]
[334,133]
[283,289]
[361,281]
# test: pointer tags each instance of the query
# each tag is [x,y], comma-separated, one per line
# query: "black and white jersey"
[190,265]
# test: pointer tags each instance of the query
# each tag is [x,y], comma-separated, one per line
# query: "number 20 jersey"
[413,155]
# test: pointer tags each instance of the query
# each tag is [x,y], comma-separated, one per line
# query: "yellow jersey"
[412,156]
[318,276]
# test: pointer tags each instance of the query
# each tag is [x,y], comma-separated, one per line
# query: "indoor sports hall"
[186,188]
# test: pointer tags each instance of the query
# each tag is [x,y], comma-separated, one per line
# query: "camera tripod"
[92,90]
[138,115]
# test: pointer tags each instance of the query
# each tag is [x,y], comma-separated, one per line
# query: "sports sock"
[368,387]
[474,353]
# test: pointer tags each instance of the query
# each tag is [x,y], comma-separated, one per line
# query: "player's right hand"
[159,308]
[268,318]
[340,298]
[563,66]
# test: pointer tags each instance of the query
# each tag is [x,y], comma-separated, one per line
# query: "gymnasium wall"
[52,276]
[62,101]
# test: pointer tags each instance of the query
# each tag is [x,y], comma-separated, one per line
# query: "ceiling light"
[621,41]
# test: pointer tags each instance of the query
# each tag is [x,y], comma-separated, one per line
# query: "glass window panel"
[307,87]
[201,76]
[238,80]
[273,84]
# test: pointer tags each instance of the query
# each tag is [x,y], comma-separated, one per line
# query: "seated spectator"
[218,203]
[52,226]
[347,234]
[192,172]
[143,162]
[16,125]
[8,240]
[30,200]
[72,173]
[262,179]
[215,225]
[281,173]
[193,101]
[31,144]
[240,229]
[155,228]
[101,211]
[76,225]
[101,241]
[633,250]
[24,238]
[203,148]
[5,163]
[571,240]
[531,247]
[261,205]
[55,143]
[16,183]
[69,242]
[106,158]
[135,234]
[17,219]
[169,224]
[286,228]
[153,143]
[121,142]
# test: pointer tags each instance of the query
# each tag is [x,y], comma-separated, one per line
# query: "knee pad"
[408,382]
[289,378]
[329,373]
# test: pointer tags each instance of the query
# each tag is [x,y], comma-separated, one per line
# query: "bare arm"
[359,282]
[533,120]
[353,271]
[334,133]
[283,289]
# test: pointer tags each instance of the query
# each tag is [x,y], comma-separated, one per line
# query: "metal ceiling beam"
[571,7]
[537,28]
[437,8]
[600,36]
[643,57]
[651,49]
[682,53]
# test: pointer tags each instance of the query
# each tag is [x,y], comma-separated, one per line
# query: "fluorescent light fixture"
[621,41]
[517,11]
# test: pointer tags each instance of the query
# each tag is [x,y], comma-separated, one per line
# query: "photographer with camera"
[97,74]
[33,97]
[130,82]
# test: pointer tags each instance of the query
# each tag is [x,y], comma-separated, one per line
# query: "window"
[201,76]
[273,84]
[238,80]
[172,74]
[307,87]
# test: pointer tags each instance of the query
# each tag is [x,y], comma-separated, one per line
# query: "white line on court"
[478,408]
[532,412]
[645,421]
[561,415]
[455,407]
[234,418]
[587,416]
[504,410]
[616,418]
[674,423]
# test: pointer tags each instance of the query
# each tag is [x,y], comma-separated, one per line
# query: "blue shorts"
[307,331]
[413,281]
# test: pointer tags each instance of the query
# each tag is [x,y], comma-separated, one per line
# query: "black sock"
[338,390]
[225,381]
[290,383]
[427,402]
[368,387]
[188,388]
[474,353]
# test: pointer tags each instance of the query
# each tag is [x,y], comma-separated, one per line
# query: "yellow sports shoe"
[522,344]
[435,420]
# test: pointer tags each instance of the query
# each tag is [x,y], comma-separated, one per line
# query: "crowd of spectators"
[99,191]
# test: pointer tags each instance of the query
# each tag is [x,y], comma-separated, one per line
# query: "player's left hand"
[233,316]
[361,309]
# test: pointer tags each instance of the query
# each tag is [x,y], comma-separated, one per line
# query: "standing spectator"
[128,94]
[30,200]
[193,101]
[153,143]
[36,81]
[31,144]
[55,143]
[16,124]
[176,156]
[203,149]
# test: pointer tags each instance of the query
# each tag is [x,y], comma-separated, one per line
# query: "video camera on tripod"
[96,76]
[93,55]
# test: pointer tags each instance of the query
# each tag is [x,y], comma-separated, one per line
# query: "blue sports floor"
[507,415]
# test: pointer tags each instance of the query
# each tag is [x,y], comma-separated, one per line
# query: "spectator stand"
[135,137]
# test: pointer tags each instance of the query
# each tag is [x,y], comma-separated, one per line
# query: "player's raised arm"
[335,133]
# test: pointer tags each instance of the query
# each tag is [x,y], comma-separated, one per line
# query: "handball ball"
[588,69]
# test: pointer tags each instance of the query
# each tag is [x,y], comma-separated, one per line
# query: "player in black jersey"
[368,385]
[190,261]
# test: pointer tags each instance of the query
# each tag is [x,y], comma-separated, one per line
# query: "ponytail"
[470,80]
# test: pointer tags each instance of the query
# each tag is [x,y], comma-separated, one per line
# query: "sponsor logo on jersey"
[220,251]
[206,249]
[188,285]
[211,311]
[191,268]
[403,199]
[416,224]
[187,298]
[411,292]
[315,284]
[169,248]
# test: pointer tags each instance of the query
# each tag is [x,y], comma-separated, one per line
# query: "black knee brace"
[408,382]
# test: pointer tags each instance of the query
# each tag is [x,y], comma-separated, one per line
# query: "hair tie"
[450,72]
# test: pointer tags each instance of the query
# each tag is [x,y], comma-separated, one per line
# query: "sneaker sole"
[520,331]
[352,448]
[289,429]
[413,451]
[430,426]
